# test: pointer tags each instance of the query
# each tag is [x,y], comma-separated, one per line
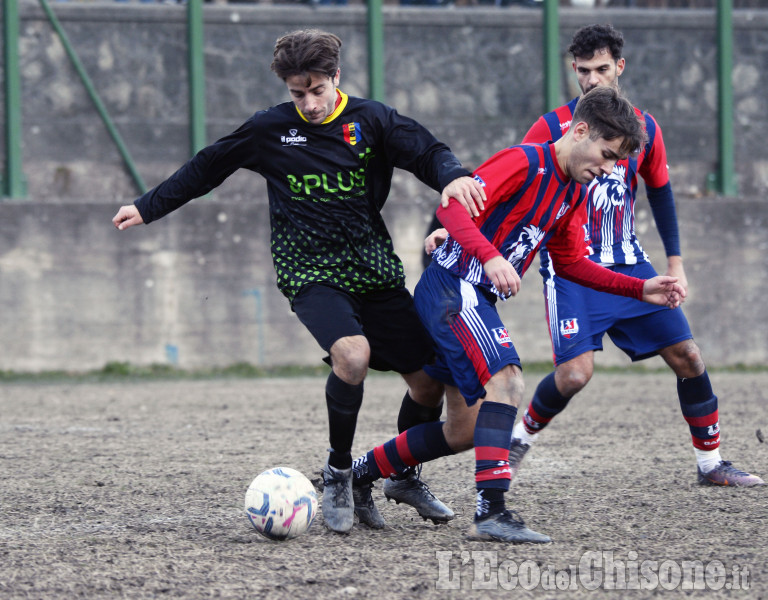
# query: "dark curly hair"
[588,40]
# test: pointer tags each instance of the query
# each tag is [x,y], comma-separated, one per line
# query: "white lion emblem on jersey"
[608,191]
[528,241]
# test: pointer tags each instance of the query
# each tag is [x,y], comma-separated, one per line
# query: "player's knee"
[571,381]
[350,357]
[506,386]
[688,360]
[351,372]
[425,391]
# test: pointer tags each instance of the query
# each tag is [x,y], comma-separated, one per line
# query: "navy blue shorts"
[579,317]
[472,344]
[386,318]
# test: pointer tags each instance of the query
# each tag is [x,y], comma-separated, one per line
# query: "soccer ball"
[281,503]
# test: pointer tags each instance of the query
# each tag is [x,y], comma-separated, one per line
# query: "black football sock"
[412,413]
[343,401]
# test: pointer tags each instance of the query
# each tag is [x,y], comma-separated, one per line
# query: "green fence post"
[196,76]
[725,175]
[375,51]
[89,87]
[551,55]
[13,184]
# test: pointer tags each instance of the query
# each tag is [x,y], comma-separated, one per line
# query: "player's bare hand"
[503,275]
[675,269]
[664,291]
[435,239]
[127,216]
[468,192]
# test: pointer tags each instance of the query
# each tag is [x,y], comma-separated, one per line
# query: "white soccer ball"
[281,503]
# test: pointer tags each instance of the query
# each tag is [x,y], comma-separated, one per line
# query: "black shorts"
[386,318]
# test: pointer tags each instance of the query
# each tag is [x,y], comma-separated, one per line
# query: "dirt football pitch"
[134,489]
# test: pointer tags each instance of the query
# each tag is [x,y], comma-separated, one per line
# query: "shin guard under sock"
[414,446]
[546,404]
[699,406]
[412,413]
[493,430]
[343,401]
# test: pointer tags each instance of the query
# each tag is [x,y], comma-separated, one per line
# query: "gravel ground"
[134,489]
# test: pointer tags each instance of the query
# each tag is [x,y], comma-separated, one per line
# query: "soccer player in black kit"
[328,159]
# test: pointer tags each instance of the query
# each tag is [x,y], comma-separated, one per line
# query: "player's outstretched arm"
[468,192]
[127,216]
[664,291]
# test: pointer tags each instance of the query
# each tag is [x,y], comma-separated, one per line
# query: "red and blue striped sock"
[699,405]
[492,473]
[414,446]
[546,404]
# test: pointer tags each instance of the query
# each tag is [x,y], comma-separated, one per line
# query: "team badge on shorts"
[502,337]
[569,327]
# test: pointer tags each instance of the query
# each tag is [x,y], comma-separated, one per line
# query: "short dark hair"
[306,51]
[588,40]
[609,116]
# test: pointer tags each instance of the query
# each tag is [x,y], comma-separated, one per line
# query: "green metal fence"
[13,178]
[12,183]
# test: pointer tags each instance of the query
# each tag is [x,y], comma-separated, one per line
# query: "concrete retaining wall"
[197,288]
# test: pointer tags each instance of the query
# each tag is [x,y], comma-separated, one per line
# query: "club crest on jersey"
[529,240]
[502,337]
[293,138]
[608,191]
[351,133]
[569,327]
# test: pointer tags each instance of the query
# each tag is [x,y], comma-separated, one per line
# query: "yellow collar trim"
[337,111]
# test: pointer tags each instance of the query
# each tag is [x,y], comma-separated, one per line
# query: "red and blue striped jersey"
[611,209]
[530,202]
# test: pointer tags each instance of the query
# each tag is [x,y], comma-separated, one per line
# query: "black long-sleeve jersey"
[326,183]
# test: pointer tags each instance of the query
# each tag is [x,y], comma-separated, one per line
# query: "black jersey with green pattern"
[326,183]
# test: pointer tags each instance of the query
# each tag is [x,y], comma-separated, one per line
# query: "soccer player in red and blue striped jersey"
[534,196]
[579,317]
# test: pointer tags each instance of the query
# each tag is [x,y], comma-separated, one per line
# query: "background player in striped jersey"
[328,159]
[534,196]
[579,317]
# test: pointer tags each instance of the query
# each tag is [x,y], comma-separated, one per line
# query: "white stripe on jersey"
[446,259]
[475,270]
